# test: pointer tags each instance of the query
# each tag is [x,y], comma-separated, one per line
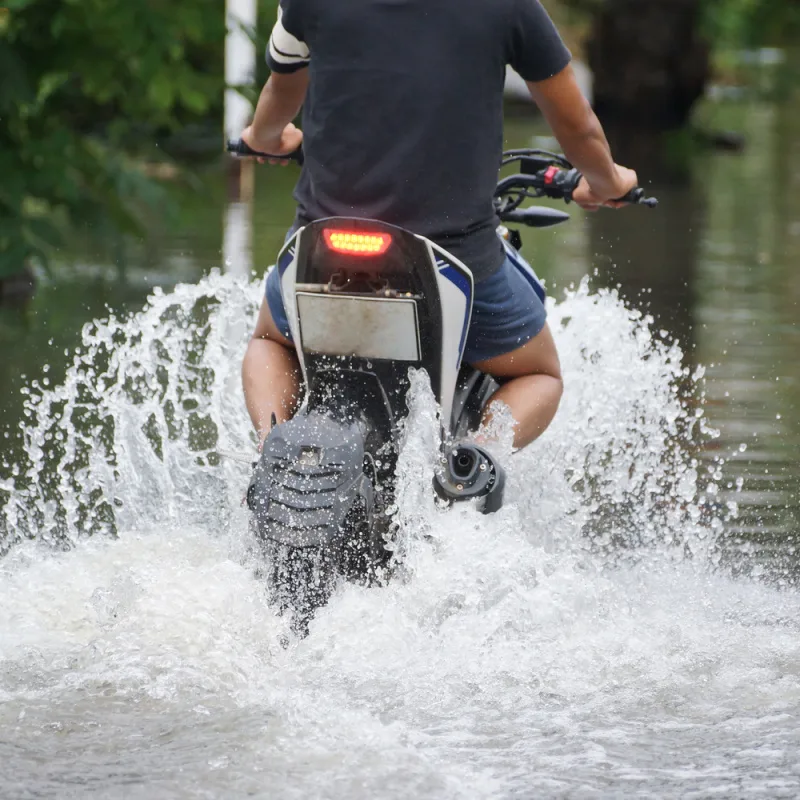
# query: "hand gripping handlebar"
[240,149]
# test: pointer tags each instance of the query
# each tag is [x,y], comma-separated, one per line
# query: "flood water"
[626,626]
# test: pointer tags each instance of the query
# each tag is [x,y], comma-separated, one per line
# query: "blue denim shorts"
[507,309]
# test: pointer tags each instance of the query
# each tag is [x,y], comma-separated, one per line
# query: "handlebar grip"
[240,149]
[637,197]
[559,183]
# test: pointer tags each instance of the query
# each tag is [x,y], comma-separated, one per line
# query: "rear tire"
[363,557]
[300,580]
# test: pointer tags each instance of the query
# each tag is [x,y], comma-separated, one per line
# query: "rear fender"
[310,474]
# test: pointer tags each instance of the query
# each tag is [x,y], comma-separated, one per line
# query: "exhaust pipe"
[469,472]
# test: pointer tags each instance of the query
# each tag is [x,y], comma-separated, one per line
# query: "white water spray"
[575,643]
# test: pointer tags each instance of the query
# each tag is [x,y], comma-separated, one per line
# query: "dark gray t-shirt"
[403,118]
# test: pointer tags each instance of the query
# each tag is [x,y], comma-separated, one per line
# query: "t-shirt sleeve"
[536,50]
[287,52]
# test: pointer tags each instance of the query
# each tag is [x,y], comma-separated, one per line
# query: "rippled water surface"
[626,626]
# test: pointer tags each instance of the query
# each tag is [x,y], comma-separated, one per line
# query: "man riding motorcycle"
[402,122]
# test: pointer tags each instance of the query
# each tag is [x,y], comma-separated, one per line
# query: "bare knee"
[267,329]
[270,374]
[532,386]
[538,356]
[557,387]
[267,346]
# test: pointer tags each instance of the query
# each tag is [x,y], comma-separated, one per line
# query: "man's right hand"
[290,140]
[590,200]
[583,141]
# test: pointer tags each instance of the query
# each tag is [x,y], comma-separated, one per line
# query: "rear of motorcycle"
[366,302]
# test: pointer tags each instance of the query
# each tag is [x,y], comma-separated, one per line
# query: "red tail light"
[357,244]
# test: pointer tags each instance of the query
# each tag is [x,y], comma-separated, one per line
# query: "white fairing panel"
[380,327]
[365,327]
[455,284]
[287,267]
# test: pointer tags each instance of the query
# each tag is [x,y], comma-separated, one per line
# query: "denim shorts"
[507,309]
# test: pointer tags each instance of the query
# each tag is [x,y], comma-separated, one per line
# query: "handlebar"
[554,180]
[240,149]
[544,174]
[637,197]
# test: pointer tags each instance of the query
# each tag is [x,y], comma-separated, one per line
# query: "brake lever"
[240,149]
[519,181]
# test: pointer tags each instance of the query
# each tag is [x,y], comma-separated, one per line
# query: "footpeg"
[469,472]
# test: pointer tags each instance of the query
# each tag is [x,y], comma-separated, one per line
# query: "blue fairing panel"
[461,282]
[287,255]
[455,284]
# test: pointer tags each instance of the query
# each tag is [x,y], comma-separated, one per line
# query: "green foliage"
[752,23]
[88,89]
[733,23]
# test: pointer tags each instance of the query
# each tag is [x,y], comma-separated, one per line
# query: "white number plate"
[367,327]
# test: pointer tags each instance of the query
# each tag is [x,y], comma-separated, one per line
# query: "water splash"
[622,454]
[549,649]
[618,472]
[131,439]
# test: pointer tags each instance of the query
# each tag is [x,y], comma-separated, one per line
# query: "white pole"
[240,63]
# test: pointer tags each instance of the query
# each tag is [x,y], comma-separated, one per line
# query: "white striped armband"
[286,53]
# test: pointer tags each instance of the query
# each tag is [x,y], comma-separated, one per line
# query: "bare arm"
[581,136]
[280,102]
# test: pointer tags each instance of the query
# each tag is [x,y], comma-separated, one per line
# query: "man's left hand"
[290,140]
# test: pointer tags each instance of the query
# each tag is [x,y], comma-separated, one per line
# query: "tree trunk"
[650,62]
[17,289]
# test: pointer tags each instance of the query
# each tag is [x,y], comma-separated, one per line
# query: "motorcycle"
[367,302]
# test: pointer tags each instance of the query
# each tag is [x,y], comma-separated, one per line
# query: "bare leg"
[535,390]
[270,374]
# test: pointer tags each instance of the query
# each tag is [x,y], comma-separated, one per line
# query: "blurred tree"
[651,59]
[88,89]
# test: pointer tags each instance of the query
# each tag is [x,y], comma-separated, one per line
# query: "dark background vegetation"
[101,99]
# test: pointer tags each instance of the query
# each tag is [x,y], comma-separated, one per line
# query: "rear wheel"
[301,580]
[363,557]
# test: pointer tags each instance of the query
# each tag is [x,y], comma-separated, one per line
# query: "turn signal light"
[357,244]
